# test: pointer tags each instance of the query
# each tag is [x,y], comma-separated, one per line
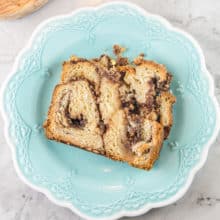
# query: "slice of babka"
[112,107]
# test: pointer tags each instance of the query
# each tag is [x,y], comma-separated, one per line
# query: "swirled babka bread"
[112,107]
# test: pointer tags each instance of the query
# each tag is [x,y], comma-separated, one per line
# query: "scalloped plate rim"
[148,206]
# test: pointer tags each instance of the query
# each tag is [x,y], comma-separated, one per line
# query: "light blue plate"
[91,185]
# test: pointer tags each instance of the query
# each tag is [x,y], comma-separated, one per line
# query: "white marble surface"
[202,201]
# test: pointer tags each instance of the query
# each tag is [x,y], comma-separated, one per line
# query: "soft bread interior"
[120,110]
[75,125]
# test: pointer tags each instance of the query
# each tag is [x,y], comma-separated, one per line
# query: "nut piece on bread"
[112,107]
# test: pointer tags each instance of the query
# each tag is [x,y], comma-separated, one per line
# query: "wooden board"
[19,8]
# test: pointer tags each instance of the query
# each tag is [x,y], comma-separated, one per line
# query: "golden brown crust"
[57,128]
[166,100]
[159,70]
[77,68]
[132,105]
[155,145]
